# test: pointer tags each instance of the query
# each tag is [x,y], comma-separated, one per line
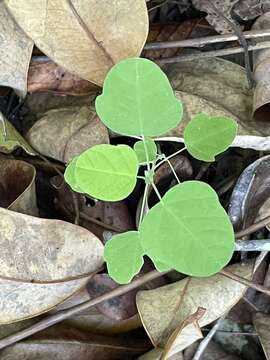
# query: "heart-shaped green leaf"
[138,99]
[106,172]
[189,230]
[207,136]
[151,148]
[124,256]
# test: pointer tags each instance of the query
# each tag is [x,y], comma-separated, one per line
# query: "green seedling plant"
[187,230]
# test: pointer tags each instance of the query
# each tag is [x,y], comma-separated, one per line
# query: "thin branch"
[245,282]
[209,54]
[255,227]
[75,310]
[252,245]
[204,343]
[201,41]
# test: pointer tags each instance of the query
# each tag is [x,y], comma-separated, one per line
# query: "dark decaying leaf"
[45,75]
[261,59]
[262,326]
[114,214]
[15,53]
[65,343]
[119,308]
[17,195]
[250,193]
[65,133]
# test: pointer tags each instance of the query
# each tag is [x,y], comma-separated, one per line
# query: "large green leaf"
[138,99]
[189,230]
[151,148]
[124,256]
[206,136]
[107,172]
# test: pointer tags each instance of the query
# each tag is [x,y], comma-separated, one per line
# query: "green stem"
[143,203]
[157,192]
[169,157]
[146,153]
[173,171]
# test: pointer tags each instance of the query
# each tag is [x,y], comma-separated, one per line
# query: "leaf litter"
[46,260]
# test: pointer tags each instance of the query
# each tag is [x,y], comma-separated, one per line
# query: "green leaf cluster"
[188,230]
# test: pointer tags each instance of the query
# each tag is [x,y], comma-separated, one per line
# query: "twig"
[210,54]
[246,282]
[253,245]
[201,41]
[65,314]
[251,229]
[204,343]
[238,32]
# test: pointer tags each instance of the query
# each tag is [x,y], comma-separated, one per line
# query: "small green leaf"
[207,136]
[70,175]
[189,230]
[140,150]
[124,256]
[107,172]
[11,139]
[138,99]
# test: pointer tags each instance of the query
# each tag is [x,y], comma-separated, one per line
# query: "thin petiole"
[169,157]
[157,192]
[143,203]
[173,171]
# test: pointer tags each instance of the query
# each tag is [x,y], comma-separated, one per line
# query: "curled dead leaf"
[15,53]
[250,194]
[98,35]
[19,196]
[65,133]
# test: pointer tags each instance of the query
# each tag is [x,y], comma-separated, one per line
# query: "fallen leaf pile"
[54,57]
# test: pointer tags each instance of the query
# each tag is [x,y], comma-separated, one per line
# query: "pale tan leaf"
[262,325]
[163,309]
[15,53]
[85,37]
[65,133]
[19,196]
[34,249]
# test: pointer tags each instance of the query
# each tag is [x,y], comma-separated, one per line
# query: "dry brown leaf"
[163,309]
[42,250]
[261,60]
[64,343]
[262,326]
[218,87]
[15,53]
[19,196]
[45,75]
[85,37]
[65,133]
